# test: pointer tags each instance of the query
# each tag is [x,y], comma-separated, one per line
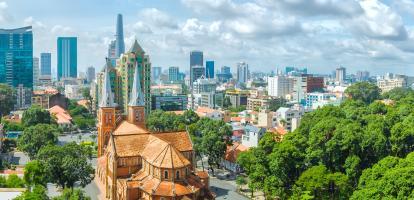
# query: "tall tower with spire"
[106,113]
[136,105]
[119,43]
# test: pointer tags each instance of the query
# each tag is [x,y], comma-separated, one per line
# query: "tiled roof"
[62,116]
[163,155]
[130,145]
[205,110]
[180,140]
[154,186]
[127,128]
[234,150]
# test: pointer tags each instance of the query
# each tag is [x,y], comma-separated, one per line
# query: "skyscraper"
[90,74]
[243,73]
[279,86]
[16,62]
[119,44]
[173,74]
[112,52]
[35,71]
[155,74]
[196,61]
[196,58]
[209,69]
[67,57]
[340,74]
[16,56]
[45,64]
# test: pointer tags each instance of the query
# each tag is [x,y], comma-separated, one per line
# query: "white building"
[243,73]
[340,74]
[315,97]
[279,86]
[35,71]
[386,84]
[204,85]
[252,136]
[290,117]
[73,92]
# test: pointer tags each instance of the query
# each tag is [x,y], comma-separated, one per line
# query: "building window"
[165,174]
[177,175]
[186,171]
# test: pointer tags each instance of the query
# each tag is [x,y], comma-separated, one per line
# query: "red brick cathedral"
[134,163]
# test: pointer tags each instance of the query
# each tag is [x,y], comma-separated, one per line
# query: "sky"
[373,35]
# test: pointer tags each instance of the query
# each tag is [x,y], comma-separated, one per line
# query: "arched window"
[186,171]
[165,174]
[177,174]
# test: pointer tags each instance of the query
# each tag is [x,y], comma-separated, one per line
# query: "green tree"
[390,178]
[86,94]
[190,117]
[36,115]
[13,181]
[36,137]
[72,194]
[35,173]
[214,147]
[38,193]
[364,91]
[276,103]
[240,181]
[67,164]
[322,184]
[7,99]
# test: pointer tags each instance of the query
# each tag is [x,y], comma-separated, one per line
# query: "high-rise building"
[305,84]
[340,74]
[155,74]
[67,57]
[90,74]
[224,75]
[119,45]
[16,62]
[362,75]
[46,64]
[35,71]
[121,77]
[209,69]
[112,52]
[196,73]
[196,58]
[173,74]
[196,61]
[16,56]
[279,86]
[243,73]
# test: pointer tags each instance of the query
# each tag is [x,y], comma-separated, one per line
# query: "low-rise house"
[290,117]
[230,159]
[209,113]
[63,118]
[252,135]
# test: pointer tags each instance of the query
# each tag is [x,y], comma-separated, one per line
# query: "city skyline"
[360,35]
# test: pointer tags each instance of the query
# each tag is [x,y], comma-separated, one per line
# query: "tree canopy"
[364,91]
[36,137]
[67,164]
[36,115]
[334,145]
[7,99]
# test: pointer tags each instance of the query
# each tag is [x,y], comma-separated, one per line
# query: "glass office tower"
[67,57]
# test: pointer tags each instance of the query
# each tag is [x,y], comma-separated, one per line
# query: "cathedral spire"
[107,98]
[137,97]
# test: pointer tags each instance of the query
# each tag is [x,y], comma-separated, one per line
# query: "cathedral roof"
[180,140]
[127,128]
[137,96]
[163,155]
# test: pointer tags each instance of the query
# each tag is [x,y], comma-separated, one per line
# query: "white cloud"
[378,21]
[4,14]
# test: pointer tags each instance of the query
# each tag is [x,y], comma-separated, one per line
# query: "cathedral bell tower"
[106,114]
[136,105]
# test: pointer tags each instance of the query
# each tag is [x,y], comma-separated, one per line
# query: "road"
[225,189]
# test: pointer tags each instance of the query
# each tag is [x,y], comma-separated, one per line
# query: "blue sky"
[369,35]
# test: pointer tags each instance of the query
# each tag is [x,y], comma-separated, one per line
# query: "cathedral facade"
[134,163]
